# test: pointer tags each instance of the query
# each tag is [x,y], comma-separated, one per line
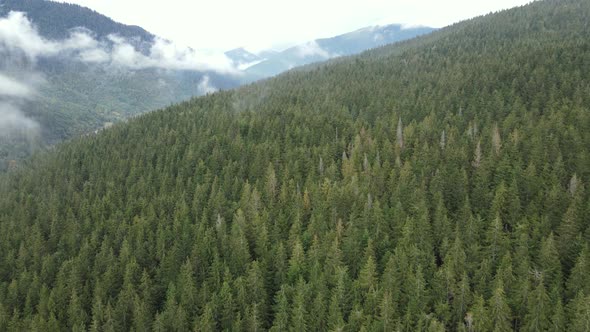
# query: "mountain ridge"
[50,19]
[341,45]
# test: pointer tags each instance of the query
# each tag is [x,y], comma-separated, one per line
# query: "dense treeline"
[442,186]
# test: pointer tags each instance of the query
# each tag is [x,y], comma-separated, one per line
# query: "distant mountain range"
[270,64]
[242,58]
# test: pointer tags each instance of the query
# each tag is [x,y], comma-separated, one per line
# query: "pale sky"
[220,25]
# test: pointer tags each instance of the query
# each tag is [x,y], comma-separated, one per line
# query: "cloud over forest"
[18,35]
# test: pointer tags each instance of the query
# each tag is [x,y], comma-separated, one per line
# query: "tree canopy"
[437,184]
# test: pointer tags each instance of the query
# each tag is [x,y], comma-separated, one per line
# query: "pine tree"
[569,242]
[296,262]
[477,318]
[538,315]
[578,279]
[227,310]
[281,311]
[400,134]
[368,275]
[318,313]
[206,322]
[549,263]
[141,315]
[496,139]
[187,288]
[497,240]
[558,318]
[462,298]
[253,321]
[580,313]
[76,314]
[500,315]
[299,315]
[335,316]
[257,296]
[387,312]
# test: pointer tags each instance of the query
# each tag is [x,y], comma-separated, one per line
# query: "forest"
[437,184]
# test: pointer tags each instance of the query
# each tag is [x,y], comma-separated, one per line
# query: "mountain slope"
[439,184]
[90,71]
[56,19]
[323,49]
[242,58]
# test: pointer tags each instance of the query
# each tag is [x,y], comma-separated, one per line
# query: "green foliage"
[292,204]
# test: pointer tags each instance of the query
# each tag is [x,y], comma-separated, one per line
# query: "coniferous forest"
[439,184]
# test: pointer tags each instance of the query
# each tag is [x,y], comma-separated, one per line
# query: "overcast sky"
[220,25]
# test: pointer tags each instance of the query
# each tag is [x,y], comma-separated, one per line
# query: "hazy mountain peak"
[346,44]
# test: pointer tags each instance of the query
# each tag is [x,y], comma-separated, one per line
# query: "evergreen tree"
[500,315]
[537,318]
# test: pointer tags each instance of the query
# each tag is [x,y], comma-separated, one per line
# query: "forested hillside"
[439,185]
[55,20]
[76,94]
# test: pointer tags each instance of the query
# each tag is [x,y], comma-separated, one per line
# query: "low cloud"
[407,26]
[12,88]
[94,56]
[312,49]
[19,36]
[175,57]
[13,93]
[164,55]
[205,87]
[13,121]
[244,66]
